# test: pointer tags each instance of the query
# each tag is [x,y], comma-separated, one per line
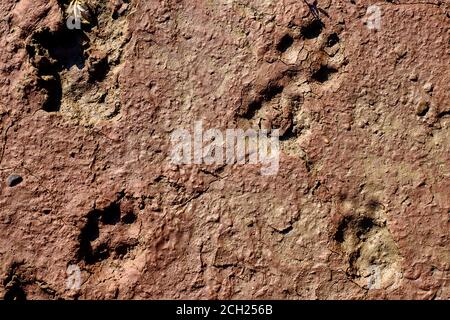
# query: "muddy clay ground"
[92,207]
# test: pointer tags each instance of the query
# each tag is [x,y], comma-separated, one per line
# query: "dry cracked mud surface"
[360,205]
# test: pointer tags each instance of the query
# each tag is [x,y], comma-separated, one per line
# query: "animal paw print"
[305,56]
[105,233]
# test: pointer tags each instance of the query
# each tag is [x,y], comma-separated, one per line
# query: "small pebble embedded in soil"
[13,180]
[413,77]
[428,87]
[422,108]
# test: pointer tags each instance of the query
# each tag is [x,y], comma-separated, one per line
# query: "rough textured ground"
[364,179]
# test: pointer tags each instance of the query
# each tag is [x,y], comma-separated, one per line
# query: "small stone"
[13,180]
[413,77]
[7,220]
[123,8]
[428,87]
[422,108]
[401,51]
